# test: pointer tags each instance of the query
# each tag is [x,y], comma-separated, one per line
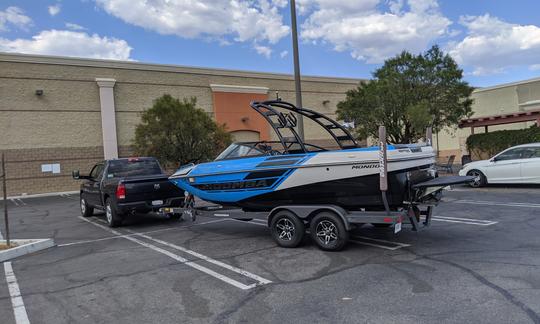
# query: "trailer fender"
[306,212]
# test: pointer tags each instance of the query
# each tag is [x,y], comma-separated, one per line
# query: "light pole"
[297,85]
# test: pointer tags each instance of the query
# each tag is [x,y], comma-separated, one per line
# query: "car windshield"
[133,167]
[239,150]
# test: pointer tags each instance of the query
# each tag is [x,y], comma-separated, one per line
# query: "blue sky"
[495,41]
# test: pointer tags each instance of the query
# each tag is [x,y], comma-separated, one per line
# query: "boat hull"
[346,178]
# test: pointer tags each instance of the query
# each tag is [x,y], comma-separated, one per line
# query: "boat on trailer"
[263,175]
[294,185]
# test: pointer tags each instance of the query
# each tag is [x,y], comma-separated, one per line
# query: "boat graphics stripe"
[301,166]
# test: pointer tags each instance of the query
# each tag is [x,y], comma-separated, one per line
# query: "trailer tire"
[114,219]
[86,210]
[328,231]
[287,229]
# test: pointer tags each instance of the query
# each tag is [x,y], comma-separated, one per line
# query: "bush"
[484,146]
[177,132]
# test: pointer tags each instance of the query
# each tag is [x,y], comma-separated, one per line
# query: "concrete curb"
[25,247]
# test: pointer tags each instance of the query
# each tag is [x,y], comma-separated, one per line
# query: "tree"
[176,133]
[408,93]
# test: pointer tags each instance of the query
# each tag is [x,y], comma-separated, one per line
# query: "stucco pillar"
[108,117]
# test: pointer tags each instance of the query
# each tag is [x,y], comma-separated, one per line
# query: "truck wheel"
[113,218]
[328,231]
[86,210]
[479,179]
[287,229]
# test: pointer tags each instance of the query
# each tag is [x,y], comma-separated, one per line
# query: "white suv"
[518,164]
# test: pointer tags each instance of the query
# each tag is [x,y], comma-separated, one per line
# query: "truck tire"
[328,231]
[113,218]
[86,210]
[287,229]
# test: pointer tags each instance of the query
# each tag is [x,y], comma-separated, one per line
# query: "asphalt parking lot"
[479,262]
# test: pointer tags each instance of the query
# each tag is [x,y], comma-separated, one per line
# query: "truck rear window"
[131,168]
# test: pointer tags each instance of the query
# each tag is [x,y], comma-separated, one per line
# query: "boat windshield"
[240,150]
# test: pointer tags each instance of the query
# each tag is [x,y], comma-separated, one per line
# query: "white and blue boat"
[259,176]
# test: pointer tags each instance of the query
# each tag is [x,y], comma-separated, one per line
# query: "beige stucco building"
[58,114]
[499,106]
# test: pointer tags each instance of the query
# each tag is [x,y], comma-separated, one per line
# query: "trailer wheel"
[287,229]
[328,231]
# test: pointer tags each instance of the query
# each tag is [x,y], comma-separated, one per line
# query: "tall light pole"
[297,84]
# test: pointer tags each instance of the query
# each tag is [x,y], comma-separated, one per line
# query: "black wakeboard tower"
[281,121]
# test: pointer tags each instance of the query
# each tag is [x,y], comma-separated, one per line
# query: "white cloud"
[283,54]
[74,26]
[264,50]
[492,45]
[69,43]
[54,10]
[14,16]
[370,34]
[257,21]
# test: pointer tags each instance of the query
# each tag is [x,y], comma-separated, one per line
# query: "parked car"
[127,186]
[518,164]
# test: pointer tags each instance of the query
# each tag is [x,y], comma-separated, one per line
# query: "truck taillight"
[121,191]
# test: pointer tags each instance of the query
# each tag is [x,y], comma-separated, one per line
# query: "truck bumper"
[146,206]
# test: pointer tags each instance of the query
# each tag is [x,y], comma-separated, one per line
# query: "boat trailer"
[329,225]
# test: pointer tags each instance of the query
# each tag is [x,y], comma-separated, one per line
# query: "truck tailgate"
[150,188]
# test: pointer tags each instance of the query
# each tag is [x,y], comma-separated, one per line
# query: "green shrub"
[483,146]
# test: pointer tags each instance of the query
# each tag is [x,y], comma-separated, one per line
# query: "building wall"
[503,99]
[64,124]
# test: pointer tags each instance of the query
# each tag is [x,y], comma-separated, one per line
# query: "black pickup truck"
[127,186]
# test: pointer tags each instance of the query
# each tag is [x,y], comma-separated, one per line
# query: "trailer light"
[388,220]
[121,191]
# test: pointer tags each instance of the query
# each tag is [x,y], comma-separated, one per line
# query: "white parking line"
[149,232]
[493,203]
[21,317]
[469,221]
[189,263]
[245,273]
[15,202]
[397,245]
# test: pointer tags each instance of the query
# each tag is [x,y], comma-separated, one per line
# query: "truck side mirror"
[75,174]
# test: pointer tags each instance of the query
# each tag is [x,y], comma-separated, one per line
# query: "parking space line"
[15,202]
[183,260]
[397,245]
[21,317]
[149,232]
[468,221]
[245,273]
[493,203]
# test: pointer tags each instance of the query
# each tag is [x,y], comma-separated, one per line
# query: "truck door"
[92,186]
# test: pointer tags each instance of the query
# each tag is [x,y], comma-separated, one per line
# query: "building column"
[108,117]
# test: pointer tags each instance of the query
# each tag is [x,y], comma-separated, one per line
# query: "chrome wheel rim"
[327,232]
[108,212]
[477,179]
[285,229]
[83,205]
